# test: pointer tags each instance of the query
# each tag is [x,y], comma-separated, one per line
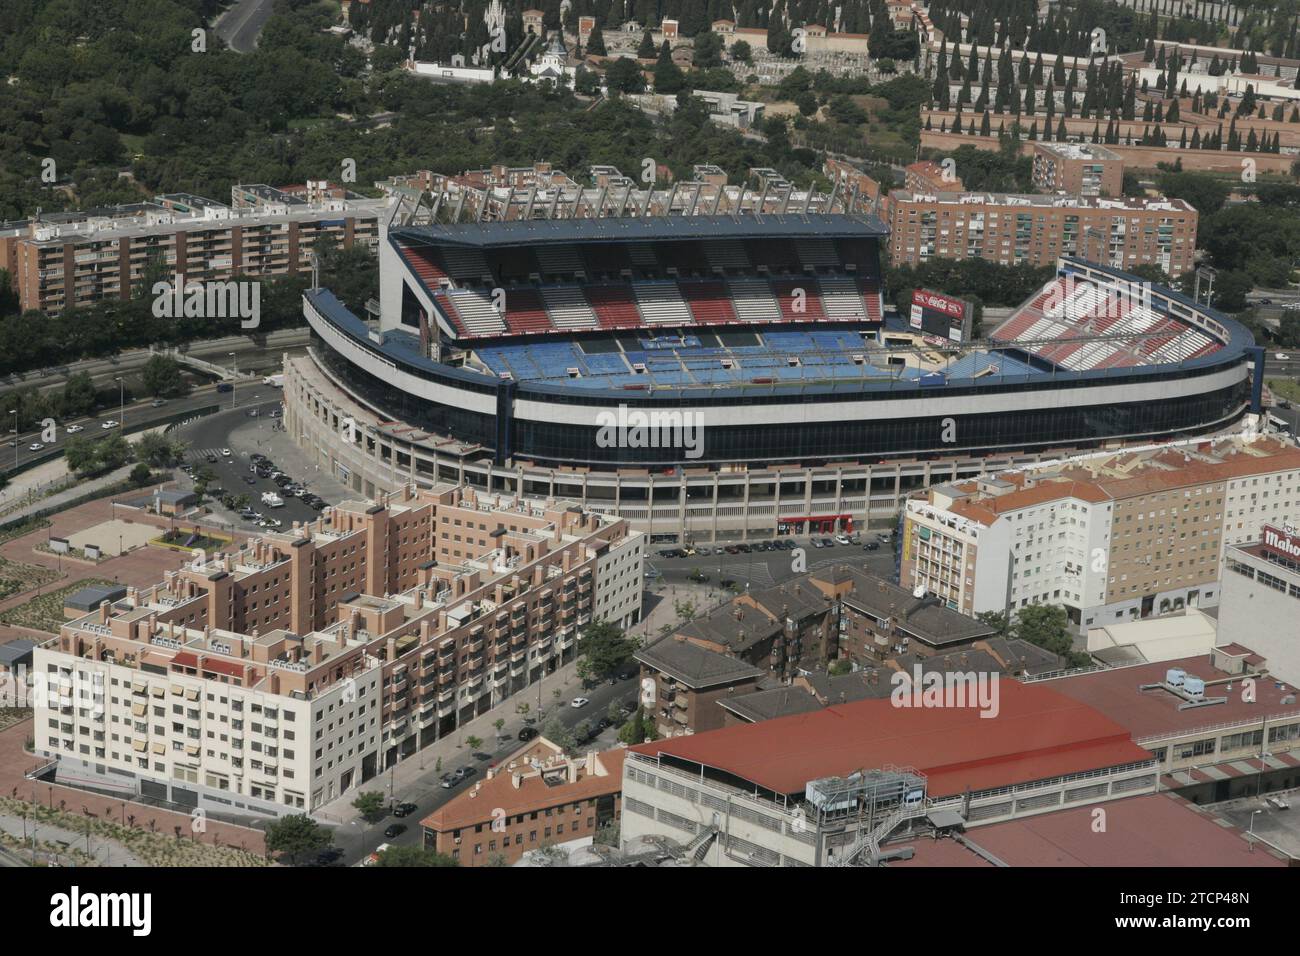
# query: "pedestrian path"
[107,852]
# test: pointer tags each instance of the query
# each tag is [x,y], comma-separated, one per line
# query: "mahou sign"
[1281,542]
[936,314]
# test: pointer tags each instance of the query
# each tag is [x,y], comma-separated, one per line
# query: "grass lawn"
[1284,388]
[177,541]
[45,613]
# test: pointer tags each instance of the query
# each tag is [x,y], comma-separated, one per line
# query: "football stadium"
[712,377]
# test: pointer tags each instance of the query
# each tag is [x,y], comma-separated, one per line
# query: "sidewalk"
[418,774]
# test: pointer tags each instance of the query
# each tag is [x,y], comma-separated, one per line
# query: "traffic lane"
[428,798]
[141,413]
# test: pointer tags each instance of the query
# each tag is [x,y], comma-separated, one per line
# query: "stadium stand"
[466,264]
[842,299]
[562,260]
[474,307]
[568,307]
[660,302]
[708,302]
[727,255]
[526,312]
[614,306]
[785,290]
[424,262]
[753,300]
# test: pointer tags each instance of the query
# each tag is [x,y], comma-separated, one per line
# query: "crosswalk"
[202,454]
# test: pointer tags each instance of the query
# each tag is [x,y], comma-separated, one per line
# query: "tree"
[370,804]
[646,51]
[596,42]
[161,375]
[605,648]
[1045,626]
[707,51]
[499,724]
[140,475]
[1000,621]
[159,451]
[624,76]
[669,77]
[474,743]
[558,734]
[296,836]
[639,728]
[413,856]
[741,52]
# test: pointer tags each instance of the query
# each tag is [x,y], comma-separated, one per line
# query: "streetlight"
[234,376]
[15,439]
[1251,831]
[121,402]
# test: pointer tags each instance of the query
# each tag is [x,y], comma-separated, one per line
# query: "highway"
[240,25]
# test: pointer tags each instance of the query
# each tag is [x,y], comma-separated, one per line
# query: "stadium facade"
[743,365]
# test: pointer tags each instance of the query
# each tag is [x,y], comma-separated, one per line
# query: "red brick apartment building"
[1013,229]
[368,633]
[536,797]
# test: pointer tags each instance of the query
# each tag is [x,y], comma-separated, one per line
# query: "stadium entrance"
[816,524]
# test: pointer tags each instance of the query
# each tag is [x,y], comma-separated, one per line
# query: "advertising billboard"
[933,313]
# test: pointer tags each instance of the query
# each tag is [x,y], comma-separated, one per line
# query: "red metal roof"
[185,659]
[1037,733]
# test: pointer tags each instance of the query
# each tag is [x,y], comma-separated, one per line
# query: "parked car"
[827,543]
[871,546]
[447,781]
[528,733]
[843,539]
[817,543]
[404,809]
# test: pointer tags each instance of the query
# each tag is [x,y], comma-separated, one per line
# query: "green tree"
[558,734]
[596,42]
[161,375]
[605,648]
[1000,621]
[412,856]
[159,451]
[1045,626]
[741,52]
[296,836]
[370,804]
[624,76]
[647,49]
[474,743]
[140,475]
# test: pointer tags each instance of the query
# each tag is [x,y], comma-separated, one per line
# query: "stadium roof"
[1037,734]
[634,229]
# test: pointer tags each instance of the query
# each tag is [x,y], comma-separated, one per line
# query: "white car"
[73,429]
[225,453]
[108,424]
[579,702]
[35,446]
[843,539]
[1282,357]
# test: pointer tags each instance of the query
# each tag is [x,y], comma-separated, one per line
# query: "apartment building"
[285,673]
[1080,169]
[1013,229]
[1109,536]
[927,176]
[538,796]
[73,260]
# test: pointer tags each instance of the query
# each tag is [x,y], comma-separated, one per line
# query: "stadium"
[757,385]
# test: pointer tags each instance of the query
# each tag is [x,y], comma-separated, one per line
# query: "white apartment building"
[1110,536]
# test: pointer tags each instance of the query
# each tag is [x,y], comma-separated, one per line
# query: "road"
[240,25]
[210,436]
[138,416]
[357,841]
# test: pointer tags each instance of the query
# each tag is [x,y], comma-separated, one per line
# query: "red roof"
[218,666]
[185,659]
[1037,733]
